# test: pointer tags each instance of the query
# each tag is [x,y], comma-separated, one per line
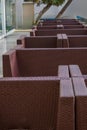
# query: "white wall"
[77,8]
[51,13]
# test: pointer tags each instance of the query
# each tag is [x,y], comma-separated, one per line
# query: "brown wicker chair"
[40,103]
[58,26]
[61,40]
[54,32]
[42,62]
[40,41]
[46,23]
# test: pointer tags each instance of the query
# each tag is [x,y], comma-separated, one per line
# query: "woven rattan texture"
[28,104]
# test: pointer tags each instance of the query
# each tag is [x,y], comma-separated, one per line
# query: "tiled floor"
[8,43]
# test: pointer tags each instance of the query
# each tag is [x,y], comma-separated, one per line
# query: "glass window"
[10,14]
[0,19]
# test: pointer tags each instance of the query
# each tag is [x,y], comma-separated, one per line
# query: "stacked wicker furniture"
[44,83]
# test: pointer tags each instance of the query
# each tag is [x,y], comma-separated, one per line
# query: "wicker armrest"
[59,40]
[66,106]
[80,103]
[21,39]
[63,71]
[65,40]
[75,71]
[10,65]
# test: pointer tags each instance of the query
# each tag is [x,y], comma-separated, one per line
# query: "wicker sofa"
[42,62]
[40,41]
[61,40]
[36,103]
[45,23]
[54,32]
[58,27]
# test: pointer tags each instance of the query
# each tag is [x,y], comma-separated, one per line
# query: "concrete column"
[3,17]
[19,13]
[28,15]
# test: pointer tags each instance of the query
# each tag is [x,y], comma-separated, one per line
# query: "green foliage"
[51,2]
[48,3]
